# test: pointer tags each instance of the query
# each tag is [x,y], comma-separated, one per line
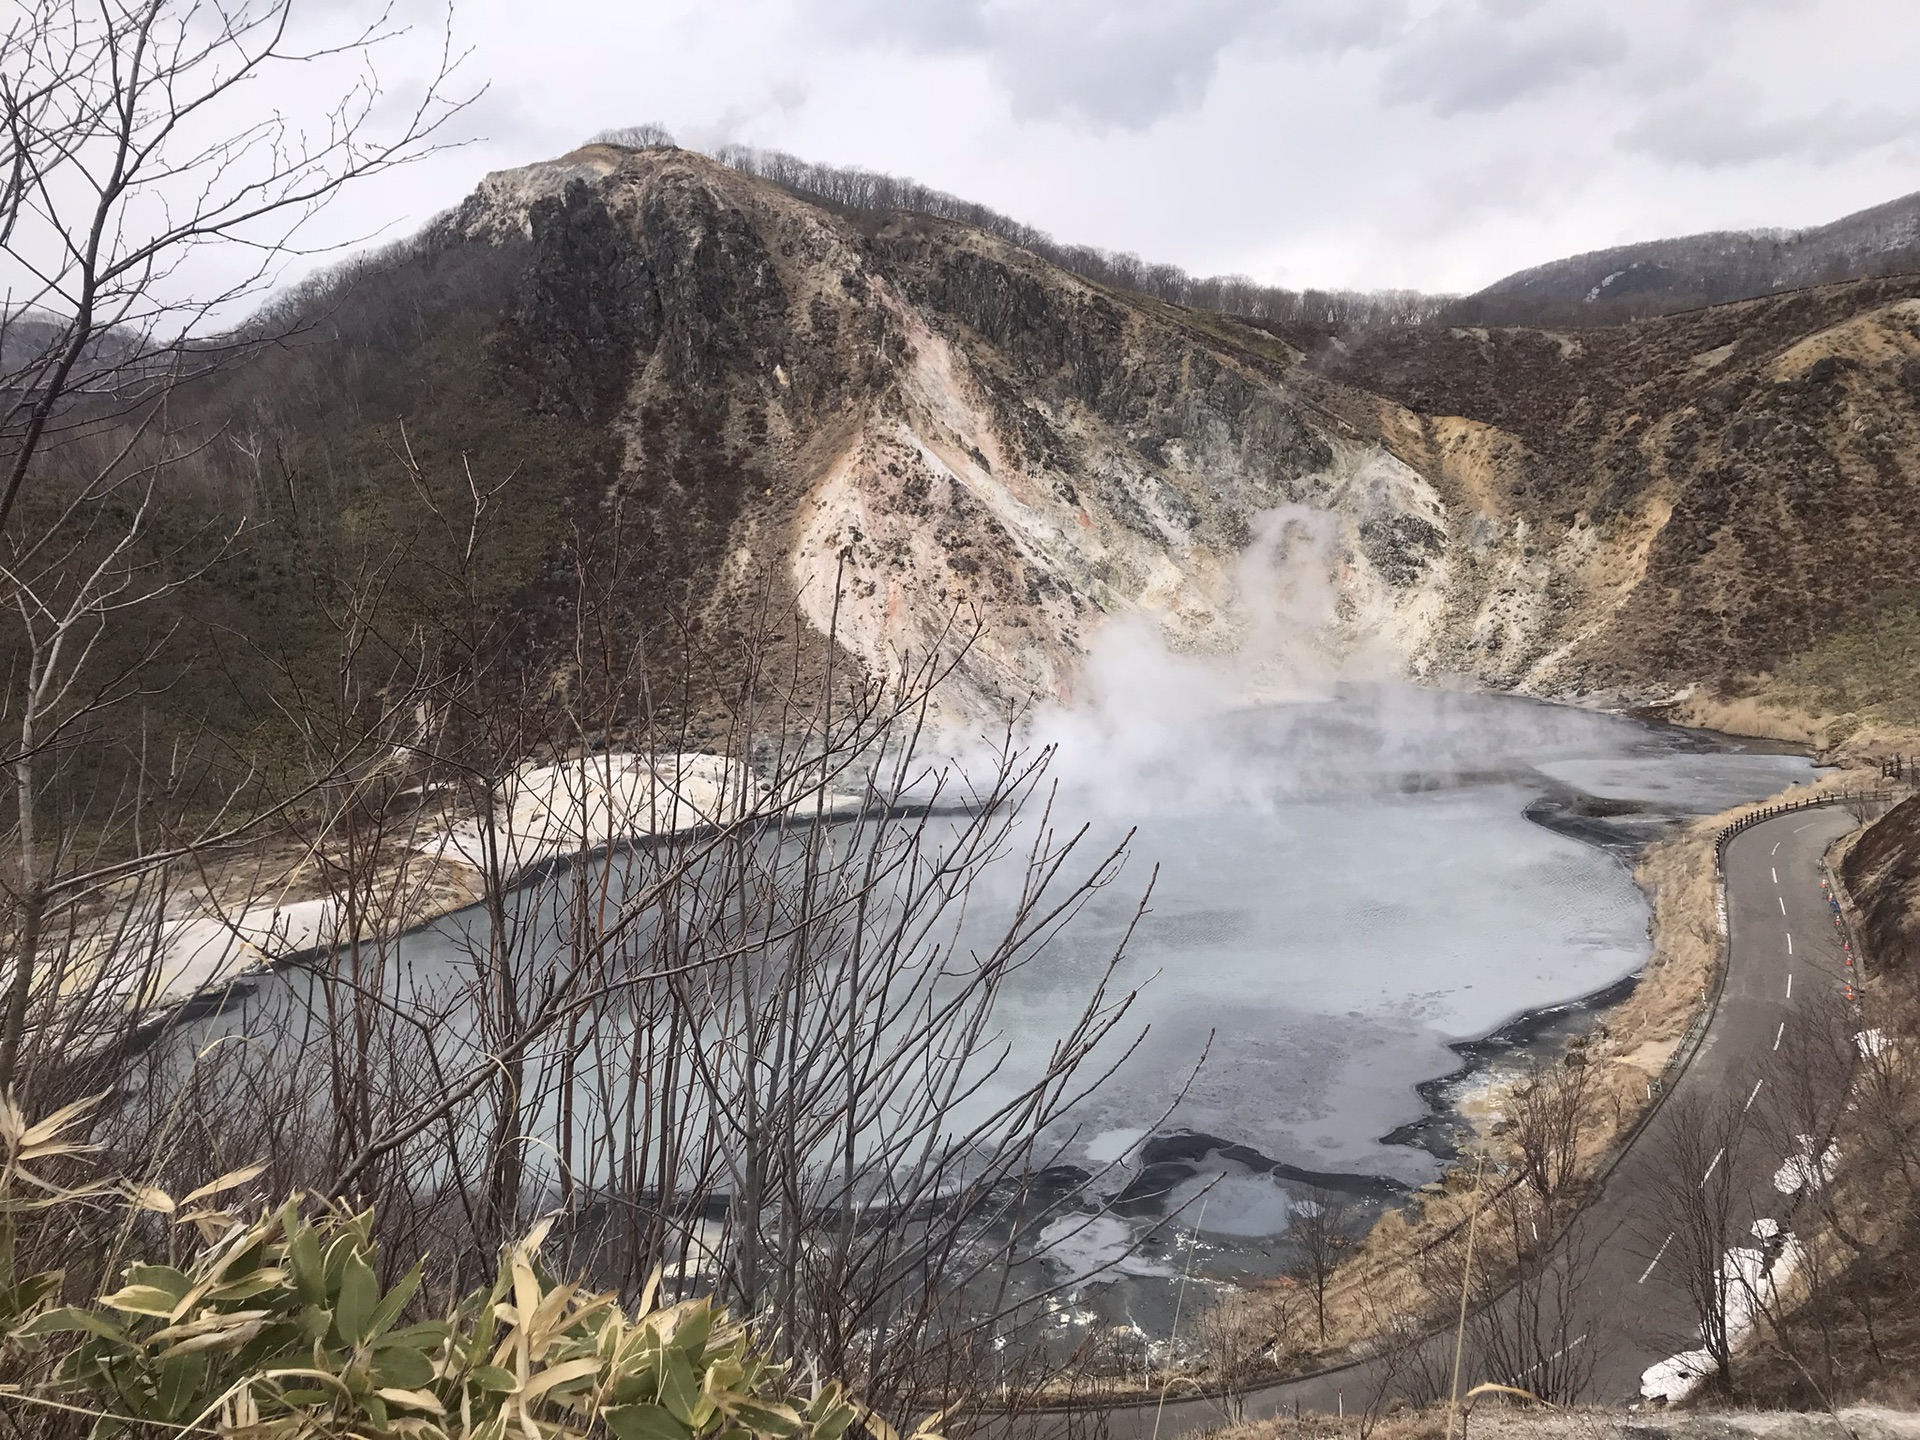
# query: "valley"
[866,769]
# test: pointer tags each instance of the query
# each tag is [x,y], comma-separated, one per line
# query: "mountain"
[918,412]
[1661,276]
[882,420]
[1711,501]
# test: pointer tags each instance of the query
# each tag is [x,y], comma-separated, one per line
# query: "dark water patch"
[1170,1160]
[1535,1033]
[1622,827]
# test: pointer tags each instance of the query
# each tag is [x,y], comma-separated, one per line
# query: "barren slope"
[929,422]
[908,429]
[1705,496]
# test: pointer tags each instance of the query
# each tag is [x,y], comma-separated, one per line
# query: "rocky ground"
[1708,497]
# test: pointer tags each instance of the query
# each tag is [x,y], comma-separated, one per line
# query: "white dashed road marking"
[1713,1164]
[1789,985]
[1789,942]
[1783,903]
[1754,1096]
[1778,1033]
[1776,877]
[1656,1260]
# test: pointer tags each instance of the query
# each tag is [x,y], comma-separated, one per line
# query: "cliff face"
[1882,872]
[917,429]
[932,442]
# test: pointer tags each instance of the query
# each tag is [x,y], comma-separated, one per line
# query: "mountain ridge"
[889,425]
[1709,268]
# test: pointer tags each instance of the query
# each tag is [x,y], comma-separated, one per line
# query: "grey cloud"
[1720,135]
[928,25]
[1118,63]
[1465,61]
[1125,66]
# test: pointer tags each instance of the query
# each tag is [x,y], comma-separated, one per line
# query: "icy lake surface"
[1344,888]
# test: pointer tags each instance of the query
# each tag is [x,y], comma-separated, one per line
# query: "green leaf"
[142,1300]
[359,1293]
[342,1248]
[692,1332]
[258,1283]
[403,1367]
[764,1417]
[69,1317]
[829,1416]
[427,1335]
[644,1422]
[493,1378]
[388,1310]
[179,1386]
[303,1253]
[678,1390]
[161,1277]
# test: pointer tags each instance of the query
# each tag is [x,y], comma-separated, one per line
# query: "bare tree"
[1531,1322]
[733,1009]
[1408,1363]
[1319,1228]
[1700,1212]
[1550,1111]
[1244,1335]
[142,199]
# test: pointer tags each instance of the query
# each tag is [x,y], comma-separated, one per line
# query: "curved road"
[1782,946]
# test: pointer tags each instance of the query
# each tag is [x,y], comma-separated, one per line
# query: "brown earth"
[1725,491]
[1882,871]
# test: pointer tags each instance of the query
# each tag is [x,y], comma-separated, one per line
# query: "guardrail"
[1690,1042]
[1747,822]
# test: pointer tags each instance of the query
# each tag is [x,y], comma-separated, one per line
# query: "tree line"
[872,192]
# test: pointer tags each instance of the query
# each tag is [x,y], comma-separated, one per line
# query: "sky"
[1427,144]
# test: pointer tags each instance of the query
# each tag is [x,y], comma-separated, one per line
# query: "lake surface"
[1346,890]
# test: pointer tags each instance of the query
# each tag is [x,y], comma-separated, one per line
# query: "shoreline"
[1380,1275]
[1456,1102]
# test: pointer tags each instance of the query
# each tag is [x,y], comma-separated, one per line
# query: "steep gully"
[1781,944]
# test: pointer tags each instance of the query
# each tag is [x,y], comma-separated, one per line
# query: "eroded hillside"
[1706,497]
[912,430]
[913,424]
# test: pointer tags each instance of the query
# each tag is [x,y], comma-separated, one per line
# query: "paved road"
[1782,948]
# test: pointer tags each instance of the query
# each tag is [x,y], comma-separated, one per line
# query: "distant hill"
[1663,276]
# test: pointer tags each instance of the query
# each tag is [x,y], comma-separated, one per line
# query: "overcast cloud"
[1435,144]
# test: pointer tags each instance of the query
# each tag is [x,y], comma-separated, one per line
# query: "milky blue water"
[1344,889]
